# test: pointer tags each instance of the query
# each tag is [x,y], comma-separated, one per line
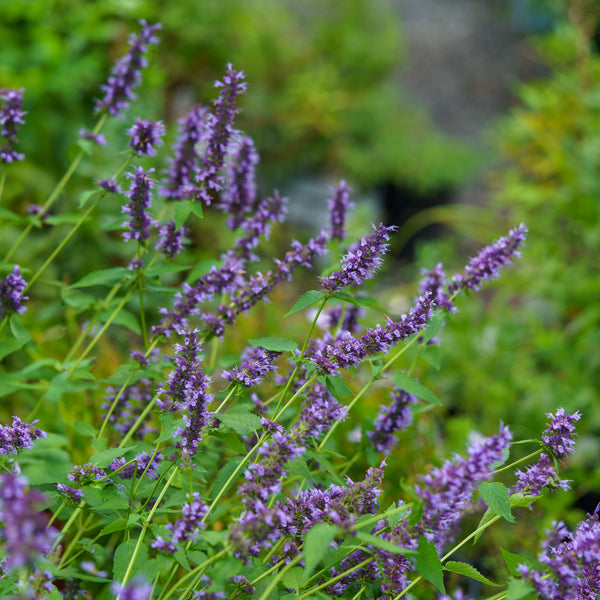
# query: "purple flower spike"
[138,589]
[97,138]
[435,283]
[220,128]
[256,363]
[11,116]
[18,436]
[338,207]
[140,198]
[239,195]
[146,137]
[110,186]
[487,264]
[11,293]
[558,437]
[540,476]
[184,166]
[186,528]
[361,262]
[26,534]
[126,73]
[170,239]
[392,418]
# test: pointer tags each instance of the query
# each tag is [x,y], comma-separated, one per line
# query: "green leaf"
[429,565]
[326,464]
[182,211]
[306,300]
[104,458]
[337,388]
[242,423]
[432,355]
[170,424]
[117,525]
[78,300]
[123,318]
[518,589]
[223,475]
[299,467]
[8,345]
[123,556]
[295,578]
[412,386]
[378,542]
[513,561]
[102,277]
[182,559]
[496,496]
[21,334]
[468,571]
[157,270]
[362,301]
[316,545]
[435,324]
[488,516]
[274,344]
[85,196]
[84,428]
[521,500]
[197,209]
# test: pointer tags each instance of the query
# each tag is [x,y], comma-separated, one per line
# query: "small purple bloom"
[363,260]
[11,116]
[392,418]
[559,434]
[110,186]
[76,496]
[97,138]
[170,239]
[538,477]
[18,436]
[338,207]
[11,293]
[140,198]
[25,530]
[239,193]
[135,264]
[146,137]
[435,283]
[256,363]
[138,589]
[487,264]
[82,474]
[145,462]
[126,73]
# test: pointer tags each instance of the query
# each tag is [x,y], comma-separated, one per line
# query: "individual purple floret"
[220,132]
[146,136]
[76,496]
[138,589]
[186,528]
[11,116]
[183,167]
[338,208]
[392,418]
[82,474]
[18,436]
[446,491]
[256,363]
[363,260]
[110,186]
[97,138]
[25,530]
[140,198]
[570,562]
[239,193]
[559,434]
[435,283]
[11,293]
[170,239]
[126,73]
[538,477]
[487,264]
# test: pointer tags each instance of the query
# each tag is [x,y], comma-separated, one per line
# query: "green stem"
[114,403]
[2,180]
[516,462]
[279,575]
[142,314]
[138,422]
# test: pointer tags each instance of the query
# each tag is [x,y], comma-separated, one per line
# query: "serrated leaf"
[295,578]
[170,425]
[521,500]
[84,428]
[21,334]
[299,467]
[181,558]
[123,556]
[102,277]
[316,544]
[468,571]
[223,475]
[104,458]
[274,344]
[429,565]
[197,209]
[242,423]
[117,525]
[157,270]
[513,561]
[85,196]
[306,300]
[182,211]
[412,386]
[8,345]
[496,496]
[338,388]
[123,318]
[378,542]
[518,589]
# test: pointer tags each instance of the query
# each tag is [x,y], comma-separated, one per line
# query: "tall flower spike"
[256,363]
[11,116]
[487,264]
[140,199]
[170,239]
[146,136]
[338,208]
[11,293]
[559,434]
[363,260]
[18,436]
[126,73]
[220,127]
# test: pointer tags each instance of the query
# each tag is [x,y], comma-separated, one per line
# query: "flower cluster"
[19,435]
[132,401]
[186,528]
[392,418]
[25,529]
[363,260]
[11,293]
[146,136]
[140,199]
[542,475]
[97,138]
[338,208]
[144,464]
[558,437]
[11,116]
[170,239]
[256,363]
[126,73]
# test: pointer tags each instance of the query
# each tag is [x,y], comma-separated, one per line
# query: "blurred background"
[454,119]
